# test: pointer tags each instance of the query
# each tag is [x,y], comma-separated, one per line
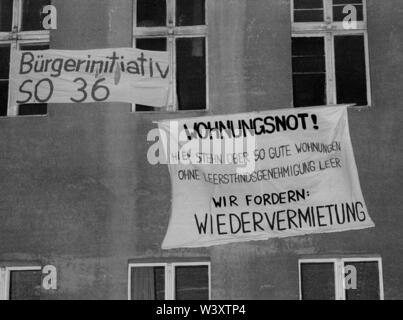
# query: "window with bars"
[169,281]
[20,29]
[179,27]
[330,53]
[341,279]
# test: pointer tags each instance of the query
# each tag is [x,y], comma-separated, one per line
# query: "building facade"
[77,190]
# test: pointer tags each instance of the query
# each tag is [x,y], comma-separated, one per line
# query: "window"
[20,29]
[341,279]
[169,281]
[330,52]
[180,27]
[20,283]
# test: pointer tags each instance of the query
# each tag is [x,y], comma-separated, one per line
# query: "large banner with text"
[263,175]
[100,75]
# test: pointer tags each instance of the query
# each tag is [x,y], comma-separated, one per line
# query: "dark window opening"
[3,98]
[151,13]
[309,71]
[32,15]
[368,287]
[191,283]
[6,15]
[317,281]
[39,109]
[191,73]
[351,78]
[190,12]
[25,285]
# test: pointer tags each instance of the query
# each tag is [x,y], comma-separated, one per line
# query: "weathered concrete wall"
[77,190]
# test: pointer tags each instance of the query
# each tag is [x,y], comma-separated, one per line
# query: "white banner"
[261,175]
[101,75]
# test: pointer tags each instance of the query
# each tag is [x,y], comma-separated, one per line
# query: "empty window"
[341,279]
[169,281]
[20,29]
[20,283]
[330,53]
[179,27]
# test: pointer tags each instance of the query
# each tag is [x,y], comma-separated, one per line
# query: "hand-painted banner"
[262,175]
[101,75]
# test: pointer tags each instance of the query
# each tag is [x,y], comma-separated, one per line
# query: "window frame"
[15,38]
[169,268]
[339,273]
[328,19]
[5,273]
[171,32]
[329,29]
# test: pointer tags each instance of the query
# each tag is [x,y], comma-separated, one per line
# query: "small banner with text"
[101,75]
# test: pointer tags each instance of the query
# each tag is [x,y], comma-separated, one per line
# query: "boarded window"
[308,11]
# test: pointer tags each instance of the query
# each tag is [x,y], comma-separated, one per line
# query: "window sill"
[27,116]
[360,108]
[168,112]
[349,106]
